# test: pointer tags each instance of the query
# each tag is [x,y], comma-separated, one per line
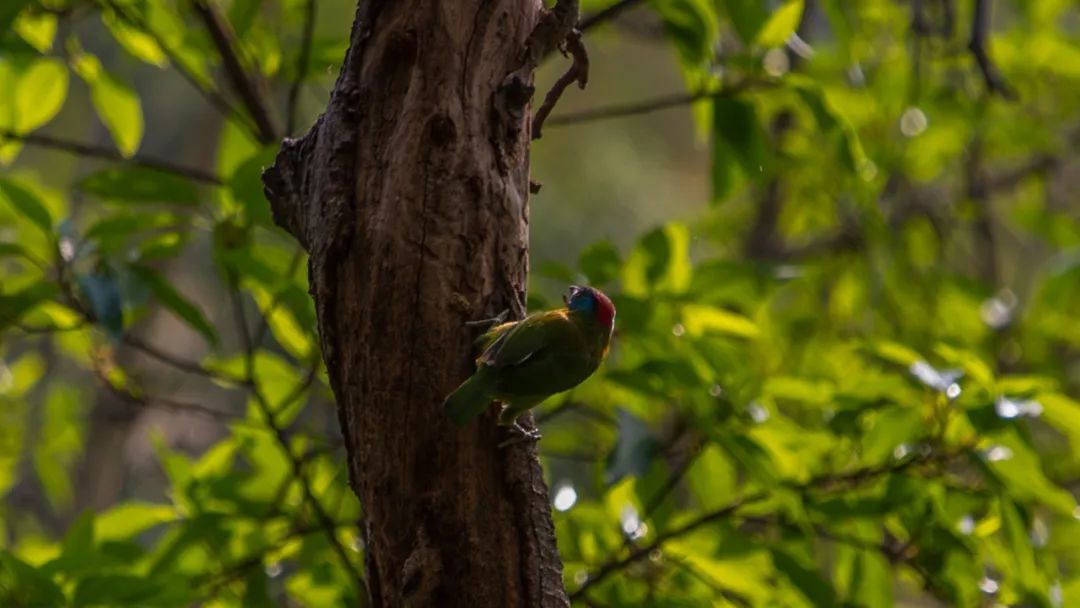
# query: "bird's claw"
[520,434]
[499,318]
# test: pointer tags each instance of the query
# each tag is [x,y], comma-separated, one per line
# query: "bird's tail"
[471,398]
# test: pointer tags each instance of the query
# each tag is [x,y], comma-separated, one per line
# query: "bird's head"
[591,301]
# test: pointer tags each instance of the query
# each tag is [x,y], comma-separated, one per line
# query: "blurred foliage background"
[842,237]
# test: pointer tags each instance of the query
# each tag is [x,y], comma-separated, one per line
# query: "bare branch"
[652,105]
[181,364]
[980,26]
[301,66]
[607,14]
[110,154]
[516,90]
[143,401]
[577,72]
[245,87]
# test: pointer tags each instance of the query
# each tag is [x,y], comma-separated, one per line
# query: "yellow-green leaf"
[39,92]
[781,24]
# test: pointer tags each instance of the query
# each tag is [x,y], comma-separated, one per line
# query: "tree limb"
[980,26]
[646,106]
[245,86]
[607,14]
[577,72]
[111,154]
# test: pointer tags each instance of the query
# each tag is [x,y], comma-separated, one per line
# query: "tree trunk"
[410,194]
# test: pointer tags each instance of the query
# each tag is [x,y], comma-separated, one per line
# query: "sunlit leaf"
[136,42]
[39,93]
[781,24]
[115,100]
[701,320]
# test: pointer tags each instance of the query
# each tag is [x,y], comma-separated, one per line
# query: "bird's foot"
[486,323]
[519,434]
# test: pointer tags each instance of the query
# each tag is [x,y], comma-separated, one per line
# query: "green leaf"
[115,101]
[177,303]
[59,443]
[116,590]
[16,304]
[781,24]
[9,10]
[11,250]
[660,262]
[691,26]
[293,336]
[735,122]
[247,187]
[805,578]
[140,185]
[1020,474]
[600,262]
[39,93]
[737,143]
[712,478]
[23,585]
[702,320]
[79,538]
[38,30]
[747,16]
[136,42]
[127,519]
[892,428]
[27,204]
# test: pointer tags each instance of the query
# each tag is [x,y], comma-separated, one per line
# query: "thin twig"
[590,21]
[302,62]
[110,154]
[196,408]
[824,482]
[181,364]
[652,105]
[980,26]
[212,96]
[577,72]
[282,439]
[243,85]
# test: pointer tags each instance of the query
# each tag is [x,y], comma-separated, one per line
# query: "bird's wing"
[526,338]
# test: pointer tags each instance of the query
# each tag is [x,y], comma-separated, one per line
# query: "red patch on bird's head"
[592,300]
[605,310]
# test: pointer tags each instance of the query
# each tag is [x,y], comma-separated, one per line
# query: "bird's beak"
[574,289]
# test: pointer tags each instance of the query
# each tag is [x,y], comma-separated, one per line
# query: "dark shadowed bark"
[411,195]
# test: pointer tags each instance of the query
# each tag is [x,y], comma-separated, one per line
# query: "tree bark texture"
[410,193]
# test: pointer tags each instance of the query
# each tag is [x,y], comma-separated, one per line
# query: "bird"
[522,363]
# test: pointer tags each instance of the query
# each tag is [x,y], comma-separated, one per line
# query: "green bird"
[525,362]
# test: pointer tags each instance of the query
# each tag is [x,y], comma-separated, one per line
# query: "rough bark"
[410,194]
